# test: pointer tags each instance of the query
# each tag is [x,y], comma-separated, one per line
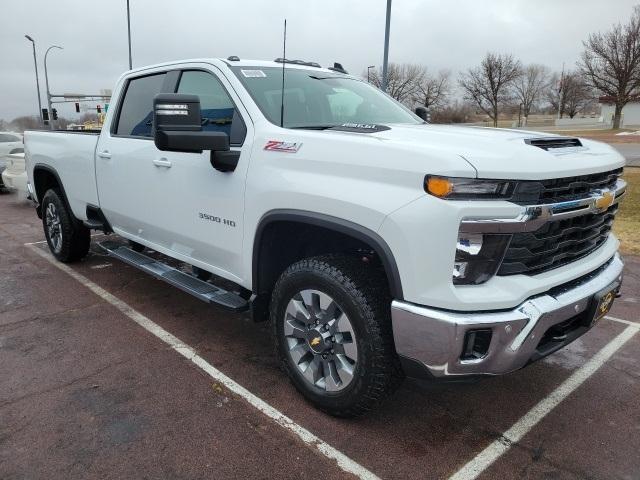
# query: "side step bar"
[203,290]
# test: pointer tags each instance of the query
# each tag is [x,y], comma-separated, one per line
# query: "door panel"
[125,171]
[207,206]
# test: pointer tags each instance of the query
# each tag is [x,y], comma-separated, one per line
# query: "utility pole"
[46,79]
[386,48]
[560,92]
[129,33]
[35,63]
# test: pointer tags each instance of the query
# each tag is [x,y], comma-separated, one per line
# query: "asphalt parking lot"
[93,386]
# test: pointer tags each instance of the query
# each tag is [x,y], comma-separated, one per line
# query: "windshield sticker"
[278,146]
[253,73]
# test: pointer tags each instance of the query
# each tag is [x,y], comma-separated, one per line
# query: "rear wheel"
[67,238]
[332,326]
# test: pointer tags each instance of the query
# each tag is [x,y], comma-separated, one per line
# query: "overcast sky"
[437,33]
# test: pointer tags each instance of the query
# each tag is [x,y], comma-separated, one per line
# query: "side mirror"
[177,126]
[423,113]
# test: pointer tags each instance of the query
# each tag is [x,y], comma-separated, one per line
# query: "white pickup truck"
[377,244]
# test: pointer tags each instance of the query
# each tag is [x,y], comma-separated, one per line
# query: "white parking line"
[344,462]
[619,320]
[519,429]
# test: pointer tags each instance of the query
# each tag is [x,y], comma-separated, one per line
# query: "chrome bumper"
[433,339]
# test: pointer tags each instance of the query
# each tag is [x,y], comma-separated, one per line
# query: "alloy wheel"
[321,340]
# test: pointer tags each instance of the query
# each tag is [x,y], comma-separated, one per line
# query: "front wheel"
[67,238]
[332,326]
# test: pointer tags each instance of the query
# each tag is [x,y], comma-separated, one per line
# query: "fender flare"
[332,223]
[52,171]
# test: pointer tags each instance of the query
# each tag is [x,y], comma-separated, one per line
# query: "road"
[631,152]
[108,373]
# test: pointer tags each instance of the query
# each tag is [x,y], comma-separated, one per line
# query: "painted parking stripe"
[345,463]
[499,447]
[619,320]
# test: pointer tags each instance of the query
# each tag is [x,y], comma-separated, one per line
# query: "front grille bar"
[532,217]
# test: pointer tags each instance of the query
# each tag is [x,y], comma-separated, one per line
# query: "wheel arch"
[265,269]
[44,178]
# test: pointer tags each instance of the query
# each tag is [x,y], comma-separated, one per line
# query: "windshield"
[318,99]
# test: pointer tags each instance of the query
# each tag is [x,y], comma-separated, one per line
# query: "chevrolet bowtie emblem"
[315,342]
[605,201]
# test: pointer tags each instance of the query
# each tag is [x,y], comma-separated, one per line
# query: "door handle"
[104,154]
[162,162]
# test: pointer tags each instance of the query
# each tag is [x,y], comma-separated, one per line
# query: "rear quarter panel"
[71,156]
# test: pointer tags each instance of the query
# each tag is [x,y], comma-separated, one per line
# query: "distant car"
[14,176]
[9,143]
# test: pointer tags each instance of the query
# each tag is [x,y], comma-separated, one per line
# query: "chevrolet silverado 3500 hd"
[377,244]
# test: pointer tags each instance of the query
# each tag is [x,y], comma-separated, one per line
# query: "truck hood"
[503,153]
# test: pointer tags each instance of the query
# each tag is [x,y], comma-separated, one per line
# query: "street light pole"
[46,79]
[386,47]
[368,69]
[35,63]
[129,33]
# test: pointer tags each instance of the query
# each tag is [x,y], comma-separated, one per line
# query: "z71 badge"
[278,146]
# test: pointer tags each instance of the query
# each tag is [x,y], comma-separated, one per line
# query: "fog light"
[478,257]
[476,344]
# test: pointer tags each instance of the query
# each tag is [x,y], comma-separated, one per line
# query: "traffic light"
[98,108]
[54,113]
[77,107]
[45,114]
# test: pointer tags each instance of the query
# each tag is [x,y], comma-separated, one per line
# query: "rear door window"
[136,112]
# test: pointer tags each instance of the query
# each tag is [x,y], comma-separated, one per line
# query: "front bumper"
[432,341]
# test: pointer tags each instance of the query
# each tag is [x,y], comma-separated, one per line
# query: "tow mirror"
[423,113]
[177,127]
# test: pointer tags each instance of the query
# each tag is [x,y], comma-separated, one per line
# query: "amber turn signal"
[438,186]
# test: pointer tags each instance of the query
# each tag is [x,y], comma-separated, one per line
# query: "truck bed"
[72,155]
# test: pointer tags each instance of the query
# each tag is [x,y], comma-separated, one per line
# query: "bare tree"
[402,80]
[454,112]
[21,124]
[611,62]
[577,94]
[433,91]
[569,93]
[489,84]
[529,87]
[554,94]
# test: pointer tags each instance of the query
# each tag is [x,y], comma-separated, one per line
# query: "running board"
[205,291]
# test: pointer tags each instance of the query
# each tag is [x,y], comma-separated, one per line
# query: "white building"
[630,112]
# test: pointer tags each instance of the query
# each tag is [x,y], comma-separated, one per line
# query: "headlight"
[467,188]
[478,257]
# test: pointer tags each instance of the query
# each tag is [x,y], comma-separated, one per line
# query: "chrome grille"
[557,243]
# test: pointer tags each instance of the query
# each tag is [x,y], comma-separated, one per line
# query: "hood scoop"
[552,143]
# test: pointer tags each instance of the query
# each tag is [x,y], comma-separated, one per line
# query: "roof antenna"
[284,61]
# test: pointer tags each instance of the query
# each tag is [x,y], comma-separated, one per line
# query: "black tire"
[362,294]
[75,238]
